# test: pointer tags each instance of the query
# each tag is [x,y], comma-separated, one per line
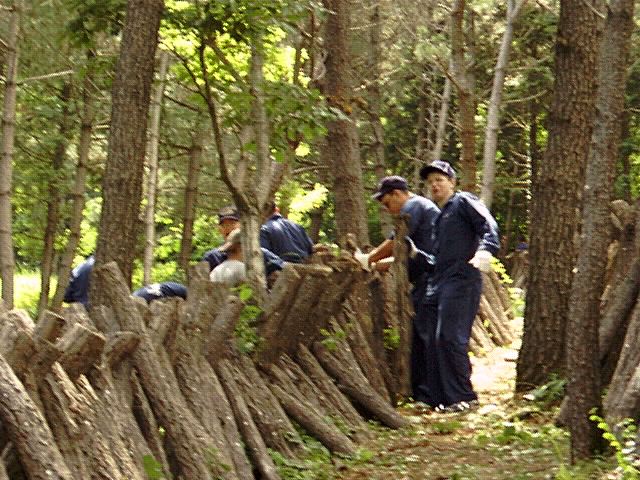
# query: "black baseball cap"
[438,166]
[229,212]
[387,184]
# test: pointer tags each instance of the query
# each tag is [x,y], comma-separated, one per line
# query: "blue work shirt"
[272,262]
[286,239]
[463,227]
[422,214]
[78,288]
[161,290]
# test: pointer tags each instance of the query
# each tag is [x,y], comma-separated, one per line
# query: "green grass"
[26,287]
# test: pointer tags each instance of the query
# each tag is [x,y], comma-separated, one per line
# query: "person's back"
[156,291]
[285,238]
[78,288]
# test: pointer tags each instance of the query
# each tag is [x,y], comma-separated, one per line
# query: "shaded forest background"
[314,102]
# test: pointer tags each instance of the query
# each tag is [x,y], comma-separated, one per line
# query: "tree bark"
[53,201]
[556,195]
[191,443]
[342,145]
[7,261]
[122,181]
[495,103]
[466,99]
[255,445]
[583,360]
[79,185]
[152,179]
[31,435]
[191,197]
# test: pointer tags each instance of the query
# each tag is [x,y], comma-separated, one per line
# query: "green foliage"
[446,427]
[623,444]
[212,458]
[549,393]
[391,338]
[152,468]
[27,290]
[247,337]
[315,464]
[333,338]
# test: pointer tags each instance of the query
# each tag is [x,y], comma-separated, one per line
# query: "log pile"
[133,387]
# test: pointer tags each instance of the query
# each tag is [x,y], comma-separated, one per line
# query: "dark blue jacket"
[271,261]
[463,227]
[161,290]
[422,215]
[286,239]
[78,288]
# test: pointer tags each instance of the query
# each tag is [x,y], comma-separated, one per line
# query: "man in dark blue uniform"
[393,193]
[78,288]
[228,221]
[156,291]
[286,239]
[466,238]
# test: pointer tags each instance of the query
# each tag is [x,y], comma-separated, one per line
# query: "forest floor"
[506,438]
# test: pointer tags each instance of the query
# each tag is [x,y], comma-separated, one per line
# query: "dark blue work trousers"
[442,329]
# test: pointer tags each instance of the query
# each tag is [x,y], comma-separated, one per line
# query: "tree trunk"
[375,104]
[152,179]
[443,117]
[583,359]
[190,442]
[36,447]
[79,185]
[495,103]
[342,145]
[556,195]
[7,262]
[466,99]
[53,202]
[191,197]
[122,182]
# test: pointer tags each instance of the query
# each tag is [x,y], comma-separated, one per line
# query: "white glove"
[413,250]
[482,260]
[363,258]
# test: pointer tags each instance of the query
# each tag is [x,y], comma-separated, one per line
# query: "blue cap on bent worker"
[387,184]
[228,213]
[438,166]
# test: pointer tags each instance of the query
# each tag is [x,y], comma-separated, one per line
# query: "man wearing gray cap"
[393,193]
[465,240]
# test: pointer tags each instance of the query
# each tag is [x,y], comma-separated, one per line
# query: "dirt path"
[490,443]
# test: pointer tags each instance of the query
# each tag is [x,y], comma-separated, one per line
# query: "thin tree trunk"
[152,179]
[495,103]
[122,181]
[466,99]
[7,262]
[53,203]
[375,101]
[583,359]
[79,186]
[443,116]
[342,139]
[556,195]
[191,197]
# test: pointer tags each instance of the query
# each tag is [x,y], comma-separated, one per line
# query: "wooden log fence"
[106,394]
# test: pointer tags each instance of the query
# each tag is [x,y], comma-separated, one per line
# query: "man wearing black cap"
[465,240]
[229,221]
[393,193]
